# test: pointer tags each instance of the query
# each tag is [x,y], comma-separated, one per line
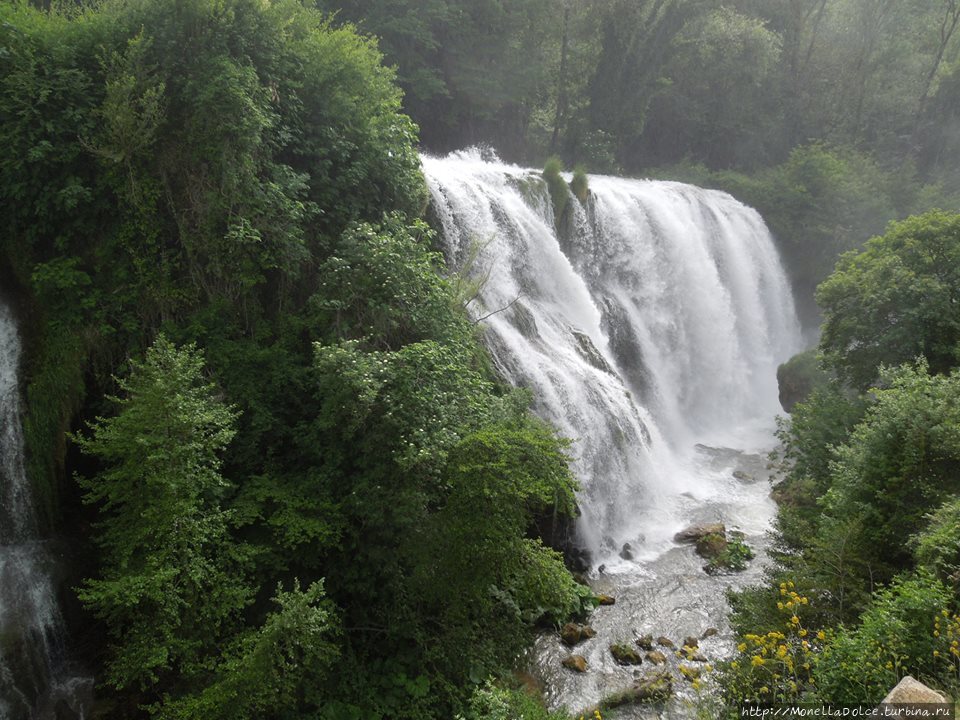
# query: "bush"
[557,186]
[899,634]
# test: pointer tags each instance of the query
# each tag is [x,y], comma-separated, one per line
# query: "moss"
[625,654]
[559,190]
[579,185]
[734,556]
[55,390]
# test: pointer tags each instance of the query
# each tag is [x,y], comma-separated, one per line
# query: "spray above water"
[653,321]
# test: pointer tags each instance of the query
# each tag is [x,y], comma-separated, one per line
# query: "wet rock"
[652,688]
[63,711]
[709,633]
[577,663]
[655,687]
[665,642]
[645,642]
[589,352]
[624,654]
[912,692]
[626,552]
[696,656]
[712,545]
[693,533]
[691,642]
[580,579]
[656,657]
[572,633]
[743,476]
[578,560]
[606,600]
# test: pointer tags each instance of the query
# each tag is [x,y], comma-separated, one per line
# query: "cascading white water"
[655,321]
[34,682]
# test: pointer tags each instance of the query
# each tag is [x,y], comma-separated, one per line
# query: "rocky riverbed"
[667,601]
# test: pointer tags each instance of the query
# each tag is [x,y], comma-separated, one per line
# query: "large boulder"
[799,377]
[712,545]
[693,533]
[912,692]
[577,663]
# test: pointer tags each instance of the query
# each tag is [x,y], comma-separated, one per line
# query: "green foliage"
[171,582]
[799,377]
[381,283]
[775,666]
[895,301]
[580,184]
[937,546]
[495,702]
[897,635]
[557,187]
[899,462]
[815,428]
[273,671]
[734,556]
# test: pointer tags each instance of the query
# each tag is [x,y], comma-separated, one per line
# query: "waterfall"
[34,680]
[654,321]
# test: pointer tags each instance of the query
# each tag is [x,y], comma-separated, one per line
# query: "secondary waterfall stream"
[649,330]
[35,678]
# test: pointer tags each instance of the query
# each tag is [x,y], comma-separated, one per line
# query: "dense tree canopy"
[229,191]
[897,300]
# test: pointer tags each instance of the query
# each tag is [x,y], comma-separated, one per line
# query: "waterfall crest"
[654,321]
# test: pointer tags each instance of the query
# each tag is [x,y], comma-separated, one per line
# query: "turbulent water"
[649,330]
[34,679]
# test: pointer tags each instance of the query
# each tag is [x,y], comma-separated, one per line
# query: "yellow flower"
[821,635]
[756,661]
[795,620]
[742,647]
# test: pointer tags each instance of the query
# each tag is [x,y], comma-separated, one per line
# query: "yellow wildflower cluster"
[596,716]
[776,667]
[946,629]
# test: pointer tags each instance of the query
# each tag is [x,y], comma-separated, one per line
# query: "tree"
[897,300]
[275,671]
[171,582]
[900,462]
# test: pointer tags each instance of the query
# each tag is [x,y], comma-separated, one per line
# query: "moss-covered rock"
[577,663]
[732,558]
[799,377]
[573,633]
[625,654]
[656,657]
[711,546]
[645,642]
